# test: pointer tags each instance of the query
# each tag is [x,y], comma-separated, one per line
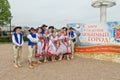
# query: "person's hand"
[20,46]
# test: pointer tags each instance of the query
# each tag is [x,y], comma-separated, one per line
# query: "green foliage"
[7,39]
[4,39]
[25,38]
[5,12]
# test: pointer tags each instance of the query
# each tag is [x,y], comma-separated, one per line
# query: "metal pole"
[10,26]
[103,15]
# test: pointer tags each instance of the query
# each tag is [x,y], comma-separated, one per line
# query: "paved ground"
[77,69]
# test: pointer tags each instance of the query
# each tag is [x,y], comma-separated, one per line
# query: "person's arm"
[22,41]
[14,41]
[34,40]
[75,35]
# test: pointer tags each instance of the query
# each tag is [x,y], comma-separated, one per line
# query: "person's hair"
[64,28]
[44,25]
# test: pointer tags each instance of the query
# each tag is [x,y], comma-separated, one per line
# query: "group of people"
[44,43]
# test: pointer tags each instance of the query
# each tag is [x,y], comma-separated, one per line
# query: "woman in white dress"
[67,45]
[40,44]
[61,49]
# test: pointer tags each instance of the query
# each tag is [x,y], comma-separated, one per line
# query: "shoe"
[39,62]
[31,66]
[16,66]
[34,64]
[20,65]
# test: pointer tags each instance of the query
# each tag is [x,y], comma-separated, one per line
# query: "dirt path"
[77,69]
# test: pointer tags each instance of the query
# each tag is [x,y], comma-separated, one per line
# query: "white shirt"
[34,40]
[54,38]
[14,41]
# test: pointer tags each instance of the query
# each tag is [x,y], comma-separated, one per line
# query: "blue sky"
[58,13]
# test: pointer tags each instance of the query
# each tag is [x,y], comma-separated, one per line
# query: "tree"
[5,12]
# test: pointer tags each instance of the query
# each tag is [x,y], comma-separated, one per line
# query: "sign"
[98,38]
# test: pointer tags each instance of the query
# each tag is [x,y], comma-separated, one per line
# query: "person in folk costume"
[55,31]
[17,39]
[54,39]
[40,44]
[32,43]
[50,31]
[72,38]
[50,48]
[66,43]
[50,35]
[45,35]
[61,48]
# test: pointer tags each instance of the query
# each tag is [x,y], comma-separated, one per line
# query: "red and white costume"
[51,49]
[66,43]
[61,49]
[40,45]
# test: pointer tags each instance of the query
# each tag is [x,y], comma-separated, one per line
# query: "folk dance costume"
[61,48]
[54,39]
[17,39]
[67,45]
[72,38]
[50,49]
[32,43]
[44,42]
[40,46]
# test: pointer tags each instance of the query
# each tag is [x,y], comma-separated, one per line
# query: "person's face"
[50,30]
[18,31]
[65,32]
[33,31]
[39,30]
[45,28]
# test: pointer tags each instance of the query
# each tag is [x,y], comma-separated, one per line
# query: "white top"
[54,39]
[34,40]
[14,41]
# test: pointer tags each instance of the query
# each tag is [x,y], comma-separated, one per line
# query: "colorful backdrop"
[98,41]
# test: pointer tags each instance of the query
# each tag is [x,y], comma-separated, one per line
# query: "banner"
[98,38]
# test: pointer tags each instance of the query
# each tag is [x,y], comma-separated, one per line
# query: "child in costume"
[40,44]
[61,49]
[17,39]
[72,37]
[54,39]
[66,43]
[32,44]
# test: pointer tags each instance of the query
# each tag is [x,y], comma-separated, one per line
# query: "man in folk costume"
[72,38]
[17,39]
[32,43]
